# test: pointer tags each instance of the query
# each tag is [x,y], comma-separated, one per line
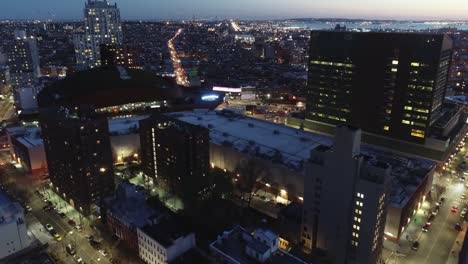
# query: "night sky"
[245,9]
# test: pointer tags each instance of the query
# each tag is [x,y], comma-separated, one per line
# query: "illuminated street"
[181,76]
[437,244]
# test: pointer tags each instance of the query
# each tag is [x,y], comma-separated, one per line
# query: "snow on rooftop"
[264,138]
[125,126]
[29,136]
[267,139]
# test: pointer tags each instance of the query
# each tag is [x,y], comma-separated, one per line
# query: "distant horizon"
[161,10]
[343,19]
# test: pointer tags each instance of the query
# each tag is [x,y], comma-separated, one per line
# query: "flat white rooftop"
[265,138]
[293,146]
[124,126]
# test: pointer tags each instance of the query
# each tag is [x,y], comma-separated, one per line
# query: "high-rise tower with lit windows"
[388,84]
[345,201]
[102,27]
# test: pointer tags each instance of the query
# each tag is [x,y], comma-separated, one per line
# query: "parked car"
[71,250]
[463,212]
[435,212]
[458,227]
[78,228]
[46,208]
[72,223]
[103,252]
[55,235]
[430,218]
[77,259]
[62,214]
[49,227]
[28,208]
[454,209]
[415,245]
[426,227]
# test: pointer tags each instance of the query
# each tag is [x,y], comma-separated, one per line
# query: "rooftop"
[232,244]
[106,87]
[122,205]
[124,126]
[167,231]
[8,209]
[291,147]
[29,136]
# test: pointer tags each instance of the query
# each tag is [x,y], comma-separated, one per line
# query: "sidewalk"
[453,257]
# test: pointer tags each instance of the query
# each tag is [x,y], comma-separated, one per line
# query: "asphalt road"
[436,244]
[20,183]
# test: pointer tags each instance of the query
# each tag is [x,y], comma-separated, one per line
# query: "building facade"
[345,206]
[78,154]
[175,154]
[405,75]
[23,62]
[164,242]
[102,26]
[121,55]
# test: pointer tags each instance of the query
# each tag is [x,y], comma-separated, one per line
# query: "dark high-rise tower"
[79,155]
[176,155]
[389,84]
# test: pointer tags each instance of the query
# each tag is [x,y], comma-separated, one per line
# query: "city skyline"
[243,9]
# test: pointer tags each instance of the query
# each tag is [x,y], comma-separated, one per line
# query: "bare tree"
[251,173]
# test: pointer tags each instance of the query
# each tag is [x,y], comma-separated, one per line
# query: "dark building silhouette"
[389,84]
[176,155]
[78,155]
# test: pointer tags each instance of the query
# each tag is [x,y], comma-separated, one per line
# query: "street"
[22,187]
[435,245]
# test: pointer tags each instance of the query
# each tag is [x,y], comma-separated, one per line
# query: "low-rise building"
[238,246]
[13,230]
[164,242]
[27,148]
[285,151]
[127,211]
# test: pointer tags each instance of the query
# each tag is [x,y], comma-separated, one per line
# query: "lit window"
[405,122]
[386,128]
[394,69]
[395,62]
[408,108]
[415,64]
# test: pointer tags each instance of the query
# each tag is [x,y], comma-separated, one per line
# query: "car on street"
[430,218]
[55,235]
[71,223]
[49,227]
[78,228]
[103,252]
[77,259]
[458,227]
[442,200]
[426,227]
[415,245]
[70,250]
[437,207]
[463,196]
[435,212]
[454,209]
[28,208]
[46,208]
[463,212]
[62,214]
